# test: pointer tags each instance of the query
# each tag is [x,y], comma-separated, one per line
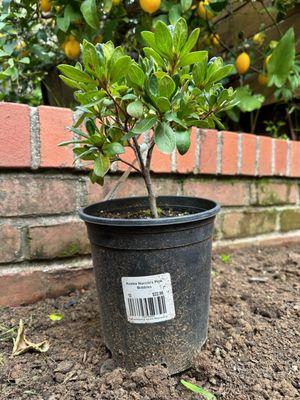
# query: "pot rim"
[183,202]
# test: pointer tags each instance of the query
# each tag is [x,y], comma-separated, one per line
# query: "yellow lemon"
[242,63]
[45,5]
[258,38]
[72,49]
[150,6]
[267,60]
[262,79]
[203,12]
[215,39]
[116,2]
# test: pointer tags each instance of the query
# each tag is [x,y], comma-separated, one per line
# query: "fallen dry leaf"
[22,344]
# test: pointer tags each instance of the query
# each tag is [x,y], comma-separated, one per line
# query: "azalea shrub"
[168,90]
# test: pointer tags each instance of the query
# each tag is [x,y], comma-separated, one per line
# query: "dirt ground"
[253,350]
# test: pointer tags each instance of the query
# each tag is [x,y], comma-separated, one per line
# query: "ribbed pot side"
[153,280]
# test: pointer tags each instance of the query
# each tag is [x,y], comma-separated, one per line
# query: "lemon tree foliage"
[169,89]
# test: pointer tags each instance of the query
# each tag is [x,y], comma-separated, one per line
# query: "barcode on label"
[146,307]
[148,299]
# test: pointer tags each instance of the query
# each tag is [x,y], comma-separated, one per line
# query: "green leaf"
[183,141]
[101,165]
[163,104]
[135,109]
[56,317]
[144,125]
[192,58]
[248,101]
[75,74]
[196,389]
[282,60]
[120,68]
[164,138]
[149,52]
[90,13]
[111,149]
[163,39]
[91,59]
[199,73]
[63,23]
[191,42]
[186,4]
[180,34]
[221,73]
[25,60]
[165,86]
[69,82]
[149,38]
[136,75]
[175,13]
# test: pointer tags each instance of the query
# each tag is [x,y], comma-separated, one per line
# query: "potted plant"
[151,254]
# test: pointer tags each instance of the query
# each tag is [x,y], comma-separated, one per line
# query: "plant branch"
[271,17]
[131,165]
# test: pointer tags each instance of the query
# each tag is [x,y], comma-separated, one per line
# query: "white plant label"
[148,299]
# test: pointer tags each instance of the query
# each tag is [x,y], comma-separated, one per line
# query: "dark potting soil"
[142,214]
[252,353]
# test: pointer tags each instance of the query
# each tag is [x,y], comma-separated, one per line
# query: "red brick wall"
[42,241]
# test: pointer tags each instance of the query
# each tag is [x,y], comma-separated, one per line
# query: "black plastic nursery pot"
[153,279]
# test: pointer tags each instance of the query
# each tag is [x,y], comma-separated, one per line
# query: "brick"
[57,241]
[290,220]
[36,195]
[10,243]
[295,159]
[30,286]
[265,156]
[248,154]
[219,191]
[15,151]
[186,164]
[229,153]
[280,157]
[160,162]
[208,151]
[248,223]
[269,193]
[53,123]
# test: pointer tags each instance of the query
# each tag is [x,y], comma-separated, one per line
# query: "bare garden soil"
[253,349]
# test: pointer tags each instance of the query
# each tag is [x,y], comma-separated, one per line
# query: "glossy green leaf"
[192,58]
[191,42]
[75,74]
[136,75]
[120,68]
[248,101]
[90,13]
[183,141]
[164,138]
[163,104]
[101,165]
[135,109]
[180,34]
[163,39]
[92,60]
[149,52]
[144,125]
[282,60]
[165,86]
[111,149]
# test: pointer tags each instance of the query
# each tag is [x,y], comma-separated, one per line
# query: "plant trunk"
[151,194]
